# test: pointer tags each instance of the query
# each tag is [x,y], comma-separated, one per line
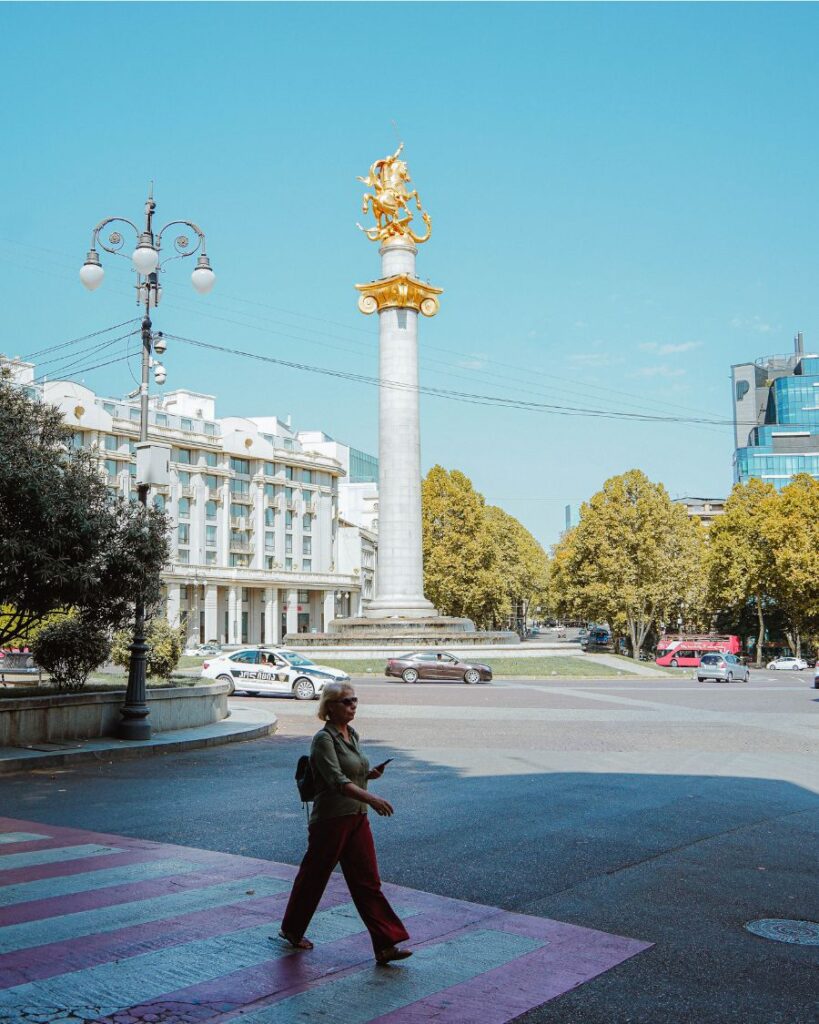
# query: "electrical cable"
[69,362]
[76,341]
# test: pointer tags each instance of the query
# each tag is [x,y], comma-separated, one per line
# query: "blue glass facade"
[786,441]
[363,467]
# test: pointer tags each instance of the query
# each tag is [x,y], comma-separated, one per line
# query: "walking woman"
[339,832]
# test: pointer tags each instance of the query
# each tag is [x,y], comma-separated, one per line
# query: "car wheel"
[472,675]
[700,679]
[747,678]
[409,675]
[730,677]
[795,668]
[303,689]
[231,684]
[674,663]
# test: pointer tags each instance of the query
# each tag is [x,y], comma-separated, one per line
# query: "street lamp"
[147,265]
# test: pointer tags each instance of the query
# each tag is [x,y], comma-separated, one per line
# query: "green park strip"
[504,667]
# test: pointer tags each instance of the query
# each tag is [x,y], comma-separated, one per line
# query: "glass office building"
[776,417]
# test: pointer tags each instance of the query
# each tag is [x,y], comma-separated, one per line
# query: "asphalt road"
[664,810]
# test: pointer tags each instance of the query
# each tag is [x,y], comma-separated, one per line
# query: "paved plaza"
[596,848]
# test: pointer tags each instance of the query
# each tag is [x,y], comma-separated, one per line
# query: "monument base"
[433,631]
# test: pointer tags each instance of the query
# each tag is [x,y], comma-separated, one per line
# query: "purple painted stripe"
[279,979]
[93,899]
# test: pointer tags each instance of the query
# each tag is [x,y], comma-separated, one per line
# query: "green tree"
[739,559]
[632,560]
[165,646]
[792,534]
[65,543]
[462,566]
[524,563]
[70,648]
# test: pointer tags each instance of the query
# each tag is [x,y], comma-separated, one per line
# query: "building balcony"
[187,492]
[241,549]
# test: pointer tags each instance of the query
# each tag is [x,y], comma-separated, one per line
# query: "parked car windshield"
[295,659]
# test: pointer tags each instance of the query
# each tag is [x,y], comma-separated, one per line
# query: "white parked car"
[255,670]
[795,664]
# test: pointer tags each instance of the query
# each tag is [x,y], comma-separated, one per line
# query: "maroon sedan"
[436,665]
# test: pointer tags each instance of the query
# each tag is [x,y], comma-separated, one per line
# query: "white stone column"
[211,612]
[233,605]
[272,616]
[292,611]
[329,609]
[400,592]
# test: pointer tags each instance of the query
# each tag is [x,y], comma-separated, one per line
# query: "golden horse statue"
[390,203]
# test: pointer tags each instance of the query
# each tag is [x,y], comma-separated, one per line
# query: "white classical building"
[260,548]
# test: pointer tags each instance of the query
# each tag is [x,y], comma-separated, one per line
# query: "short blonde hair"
[330,693]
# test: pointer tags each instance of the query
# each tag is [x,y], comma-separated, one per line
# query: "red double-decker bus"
[686,651]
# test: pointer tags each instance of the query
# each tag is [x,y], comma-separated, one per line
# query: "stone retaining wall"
[82,716]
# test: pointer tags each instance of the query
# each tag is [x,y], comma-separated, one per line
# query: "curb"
[257,725]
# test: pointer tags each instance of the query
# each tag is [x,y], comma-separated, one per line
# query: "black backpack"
[305,783]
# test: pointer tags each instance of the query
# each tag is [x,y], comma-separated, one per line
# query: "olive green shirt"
[335,762]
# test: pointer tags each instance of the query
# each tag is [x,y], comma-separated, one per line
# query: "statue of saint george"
[390,201]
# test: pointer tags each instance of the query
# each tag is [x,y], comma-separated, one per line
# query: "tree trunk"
[794,641]
[761,636]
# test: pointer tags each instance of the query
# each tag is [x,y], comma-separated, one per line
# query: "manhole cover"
[802,933]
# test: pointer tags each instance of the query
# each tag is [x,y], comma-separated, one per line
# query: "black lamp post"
[135,724]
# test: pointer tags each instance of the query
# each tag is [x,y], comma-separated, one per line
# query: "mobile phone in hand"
[383,765]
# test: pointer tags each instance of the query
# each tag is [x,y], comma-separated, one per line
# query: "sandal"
[386,956]
[301,943]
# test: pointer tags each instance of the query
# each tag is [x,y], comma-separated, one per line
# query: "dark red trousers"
[347,840]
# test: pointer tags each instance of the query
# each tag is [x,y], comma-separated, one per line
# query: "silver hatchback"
[723,668]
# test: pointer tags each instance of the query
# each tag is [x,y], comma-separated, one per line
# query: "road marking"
[8,861]
[29,934]
[88,881]
[20,837]
[370,994]
[108,988]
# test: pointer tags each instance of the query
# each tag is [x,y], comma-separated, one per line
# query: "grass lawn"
[504,667]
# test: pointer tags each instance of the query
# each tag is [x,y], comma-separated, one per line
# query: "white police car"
[255,670]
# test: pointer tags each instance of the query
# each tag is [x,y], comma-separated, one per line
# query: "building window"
[111,443]
[183,593]
[211,482]
[288,493]
[184,478]
[161,419]
[304,596]
[210,429]
[184,532]
[240,466]
[133,415]
[307,545]
[237,511]
[307,565]
[159,502]
[210,458]
[182,455]
[111,468]
[210,510]
[288,472]
[288,563]
[269,469]
[210,558]
[269,562]
[240,487]
[288,519]
[187,424]
[238,561]
[307,476]
[288,543]
[307,522]
[184,508]
[184,556]
[269,517]
[210,536]
[77,439]
[269,541]
[245,593]
[110,408]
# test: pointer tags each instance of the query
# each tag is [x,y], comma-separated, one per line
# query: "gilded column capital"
[399,292]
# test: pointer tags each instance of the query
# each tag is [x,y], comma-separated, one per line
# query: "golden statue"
[390,203]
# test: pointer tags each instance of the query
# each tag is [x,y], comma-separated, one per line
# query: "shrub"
[165,646]
[71,648]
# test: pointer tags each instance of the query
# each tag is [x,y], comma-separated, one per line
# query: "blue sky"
[623,202]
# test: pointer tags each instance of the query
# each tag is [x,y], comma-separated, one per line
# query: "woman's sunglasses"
[346,700]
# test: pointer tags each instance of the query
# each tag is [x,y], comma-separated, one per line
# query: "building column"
[193,615]
[173,605]
[329,609]
[272,616]
[233,625]
[292,611]
[211,612]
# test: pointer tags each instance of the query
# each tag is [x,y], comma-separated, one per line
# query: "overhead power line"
[76,341]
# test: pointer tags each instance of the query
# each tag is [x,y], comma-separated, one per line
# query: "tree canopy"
[65,542]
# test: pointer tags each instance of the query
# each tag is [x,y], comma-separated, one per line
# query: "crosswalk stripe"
[20,837]
[108,988]
[366,996]
[87,881]
[29,934]
[8,861]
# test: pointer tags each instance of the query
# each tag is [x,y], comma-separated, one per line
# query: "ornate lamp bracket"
[399,292]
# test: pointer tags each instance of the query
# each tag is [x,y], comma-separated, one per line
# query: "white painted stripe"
[9,861]
[106,989]
[21,837]
[29,934]
[371,994]
[87,881]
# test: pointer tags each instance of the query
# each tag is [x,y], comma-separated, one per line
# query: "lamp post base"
[135,710]
[134,728]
